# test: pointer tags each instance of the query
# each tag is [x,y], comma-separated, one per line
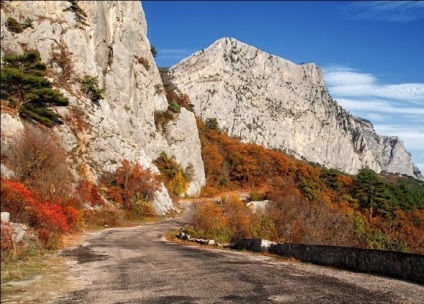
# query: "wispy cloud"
[380,106]
[395,109]
[387,11]
[408,134]
[348,82]
[174,53]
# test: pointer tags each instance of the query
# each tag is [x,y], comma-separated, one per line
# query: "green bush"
[176,178]
[16,27]
[174,106]
[90,87]
[154,51]
[212,124]
[80,15]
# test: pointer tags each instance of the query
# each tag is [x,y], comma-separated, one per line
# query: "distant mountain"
[265,99]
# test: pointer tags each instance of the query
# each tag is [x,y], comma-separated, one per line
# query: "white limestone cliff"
[265,99]
[113,46]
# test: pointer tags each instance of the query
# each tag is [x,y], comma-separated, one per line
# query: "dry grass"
[40,279]
[143,61]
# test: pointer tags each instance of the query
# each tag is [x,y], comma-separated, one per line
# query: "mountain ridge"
[265,99]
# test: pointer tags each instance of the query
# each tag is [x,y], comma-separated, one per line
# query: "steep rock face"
[113,47]
[271,101]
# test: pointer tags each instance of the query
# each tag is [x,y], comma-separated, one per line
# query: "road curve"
[138,265]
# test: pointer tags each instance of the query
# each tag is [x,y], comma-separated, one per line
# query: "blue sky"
[372,53]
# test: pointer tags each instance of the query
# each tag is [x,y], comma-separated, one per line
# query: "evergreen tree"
[212,124]
[23,83]
[154,51]
[372,192]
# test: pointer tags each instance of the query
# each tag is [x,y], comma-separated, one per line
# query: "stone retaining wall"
[395,264]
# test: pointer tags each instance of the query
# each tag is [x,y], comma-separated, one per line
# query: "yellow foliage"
[178,184]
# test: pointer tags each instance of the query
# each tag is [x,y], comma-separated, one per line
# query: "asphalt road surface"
[138,265]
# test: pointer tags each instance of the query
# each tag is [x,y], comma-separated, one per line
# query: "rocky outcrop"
[109,43]
[265,99]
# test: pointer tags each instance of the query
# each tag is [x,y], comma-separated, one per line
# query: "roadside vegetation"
[310,204]
[44,196]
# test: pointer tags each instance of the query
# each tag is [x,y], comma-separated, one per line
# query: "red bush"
[88,193]
[48,219]
[6,236]
[132,184]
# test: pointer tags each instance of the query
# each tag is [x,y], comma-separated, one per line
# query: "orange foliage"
[133,183]
[311,204]
[48,219]
[210,221]
[88,193]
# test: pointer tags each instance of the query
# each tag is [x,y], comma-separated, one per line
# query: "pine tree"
[23,83]
[372,192]
[212,124]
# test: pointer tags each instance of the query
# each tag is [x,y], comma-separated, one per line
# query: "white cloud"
[377,106]
[174,53]
[398,109]
[348,82]
[410,135]
[387,11]
[374,117]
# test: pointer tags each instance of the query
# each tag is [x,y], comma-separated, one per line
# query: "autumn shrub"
[143,61]
[61,56]
[208,191]
[73,217]
[176,179]
[140,210]
[48,219]
[101,218]
[231,220]
[88,194]
[131,184]
[6,236]
[262,227]
[15,199]
[40,163]
[257,196]
[50,223]
[175,99]
[239,218]
[210,222]
[163,118]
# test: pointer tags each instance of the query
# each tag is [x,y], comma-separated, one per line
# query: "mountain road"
[138,265]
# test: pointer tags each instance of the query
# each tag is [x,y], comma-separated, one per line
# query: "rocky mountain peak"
[262,98]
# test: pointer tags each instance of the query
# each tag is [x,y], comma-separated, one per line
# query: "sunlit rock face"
[265,99]
[109,43]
